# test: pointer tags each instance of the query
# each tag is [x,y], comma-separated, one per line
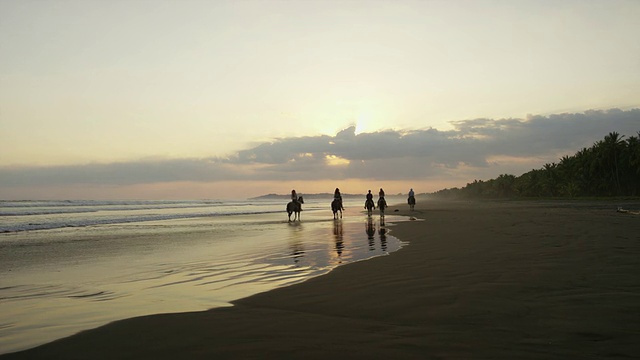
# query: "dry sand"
[498,280]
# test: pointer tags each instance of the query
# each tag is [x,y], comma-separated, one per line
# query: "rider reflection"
[371,232]
[297,251]
[337,233]
[296,244]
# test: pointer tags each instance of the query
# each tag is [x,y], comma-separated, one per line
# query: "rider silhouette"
[338,196]
[369,203]
[369,195]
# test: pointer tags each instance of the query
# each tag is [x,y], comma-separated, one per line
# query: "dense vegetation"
[611,167]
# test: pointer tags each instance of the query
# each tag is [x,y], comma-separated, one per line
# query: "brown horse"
[295,208]
[412,202]
[336,205]
[369,205]
[382,204]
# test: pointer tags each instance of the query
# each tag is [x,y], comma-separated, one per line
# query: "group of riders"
[369,204]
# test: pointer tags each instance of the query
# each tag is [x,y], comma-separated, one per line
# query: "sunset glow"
[210,93]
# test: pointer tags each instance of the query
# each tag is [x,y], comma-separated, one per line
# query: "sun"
[364,122]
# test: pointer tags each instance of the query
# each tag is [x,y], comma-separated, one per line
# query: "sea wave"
[22,208]
[19,216]
[84,222]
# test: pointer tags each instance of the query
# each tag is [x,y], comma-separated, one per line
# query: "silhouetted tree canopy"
[611,167]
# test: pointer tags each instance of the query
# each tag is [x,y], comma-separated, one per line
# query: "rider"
[369,195]
[381,193]
[338,196]
[369,198]
[294,197]
[411,199]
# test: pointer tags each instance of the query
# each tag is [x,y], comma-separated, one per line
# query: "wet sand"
[510,280]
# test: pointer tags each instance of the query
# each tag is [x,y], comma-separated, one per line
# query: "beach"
[69,266]
[476,280]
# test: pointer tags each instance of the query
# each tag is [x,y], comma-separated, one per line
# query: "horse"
[382,204]
[295,207]
[369,205]
[336,205]
[412,202]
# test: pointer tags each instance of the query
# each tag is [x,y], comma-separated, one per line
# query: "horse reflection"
[383,235]
[297,251]
[296,244]
[337,233]
[371,232]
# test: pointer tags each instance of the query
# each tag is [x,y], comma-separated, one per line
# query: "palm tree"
[612,145]
[550,179]
[632,164]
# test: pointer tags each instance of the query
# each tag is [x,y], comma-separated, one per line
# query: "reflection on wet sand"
[346,246]
[370,229]
[371,232]
[338,234]
[383,235]
[296,243]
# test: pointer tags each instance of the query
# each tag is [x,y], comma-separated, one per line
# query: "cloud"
[475,148]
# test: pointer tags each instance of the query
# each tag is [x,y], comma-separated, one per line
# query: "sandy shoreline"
[517,280]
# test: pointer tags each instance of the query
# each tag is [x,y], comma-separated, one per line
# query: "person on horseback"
[411,199]
[294,197]
[382,203]
[338,196]
[369,204]
[369,196]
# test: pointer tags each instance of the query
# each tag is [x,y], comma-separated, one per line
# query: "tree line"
[611,167]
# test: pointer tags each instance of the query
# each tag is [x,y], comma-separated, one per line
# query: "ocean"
[67,266]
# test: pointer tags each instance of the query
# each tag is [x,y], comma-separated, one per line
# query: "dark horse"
[382,204]
[412,202]
[336,205]
[295,207]
[369,205]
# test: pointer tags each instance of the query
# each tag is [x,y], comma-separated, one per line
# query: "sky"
[233,99]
